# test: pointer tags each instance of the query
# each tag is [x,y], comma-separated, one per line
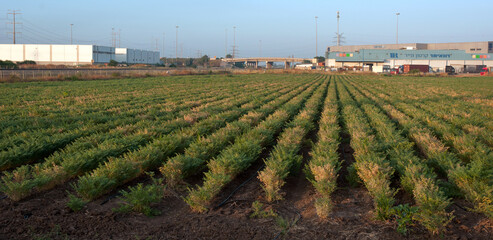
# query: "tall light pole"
[316,36]
[71,25]
[234,41]
[397,32]
[176,44]
[338,35]
[260,48]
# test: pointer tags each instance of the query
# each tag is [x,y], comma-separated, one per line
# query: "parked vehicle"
[473,68]
[450,70]
[484,71]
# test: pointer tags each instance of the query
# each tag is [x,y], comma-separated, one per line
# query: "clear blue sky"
[284,27]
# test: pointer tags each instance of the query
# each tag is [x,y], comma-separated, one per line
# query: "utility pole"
[14,23]
[316,36]
[397,32]
[234,41]
[113,36]
[71,25]
[176,47]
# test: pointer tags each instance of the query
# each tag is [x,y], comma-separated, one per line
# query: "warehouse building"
[438,56]
[135,56]
[73,54]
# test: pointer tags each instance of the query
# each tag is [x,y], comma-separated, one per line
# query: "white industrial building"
[74,54]
[135,56]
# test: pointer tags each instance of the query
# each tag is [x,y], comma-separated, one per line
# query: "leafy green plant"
[404,215]
[141,197]
[75,203]
[260,212]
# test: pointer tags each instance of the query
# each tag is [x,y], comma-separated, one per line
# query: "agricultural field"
[257,156]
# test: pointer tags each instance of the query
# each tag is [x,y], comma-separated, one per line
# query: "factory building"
[438,56]
[135,56]
[73,54]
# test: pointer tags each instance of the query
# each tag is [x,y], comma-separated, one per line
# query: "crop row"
[36,148]
[177,168]
[88,153]
[473,178]
[64,113]
[285,155]
[324,165]
[68,112]
[245,150]
[118,171]
[371,166]
[416,177]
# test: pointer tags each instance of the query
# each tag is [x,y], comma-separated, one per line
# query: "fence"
[49,74]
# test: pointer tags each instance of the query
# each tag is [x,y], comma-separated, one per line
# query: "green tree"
[113,63]
[203,61]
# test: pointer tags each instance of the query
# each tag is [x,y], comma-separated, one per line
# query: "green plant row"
[39,145]
[88,153]
[371,166]
[239,156]
[199,152]
[159,112]
[473,180]
[324,165]
[35,149]
[416,177]
[285,155]
[456,115]
[118,171]
[475,125]
[50,114]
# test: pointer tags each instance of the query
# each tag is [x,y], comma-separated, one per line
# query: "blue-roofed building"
[461,56]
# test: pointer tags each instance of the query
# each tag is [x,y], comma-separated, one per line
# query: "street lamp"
[316,36]
[397,32]
[71,25]
[176,44]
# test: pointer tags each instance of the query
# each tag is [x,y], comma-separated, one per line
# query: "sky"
[269,28]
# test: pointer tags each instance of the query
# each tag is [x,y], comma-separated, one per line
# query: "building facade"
[72,54]
[437,55]
[135,56]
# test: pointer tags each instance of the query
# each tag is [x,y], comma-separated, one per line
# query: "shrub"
[141,197]
[75,203]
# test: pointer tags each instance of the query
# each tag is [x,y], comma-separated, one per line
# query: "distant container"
[473,68]
[304,66]
[422,68]
[377,69]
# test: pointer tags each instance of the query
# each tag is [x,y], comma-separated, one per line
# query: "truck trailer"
[422,68]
